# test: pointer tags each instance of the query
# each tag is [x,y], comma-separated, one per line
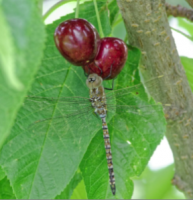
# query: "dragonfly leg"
[108,77]
[109,73]
[101,71]
[96,114]
[112,86]
[85,72]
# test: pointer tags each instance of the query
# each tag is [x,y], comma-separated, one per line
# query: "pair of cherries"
[79,42]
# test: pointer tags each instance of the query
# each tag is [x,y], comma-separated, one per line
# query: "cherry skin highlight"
[110,59]
[77,40]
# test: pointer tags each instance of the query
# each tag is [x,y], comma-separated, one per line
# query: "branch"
[179,11]
[148,29]
[190,2]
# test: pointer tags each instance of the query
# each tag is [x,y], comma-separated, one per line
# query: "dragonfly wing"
[135,99]
[56,100]
[57,114]
[138,90]
[39,108]
[144,110]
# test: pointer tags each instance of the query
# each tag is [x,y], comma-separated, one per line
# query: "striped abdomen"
[109,156]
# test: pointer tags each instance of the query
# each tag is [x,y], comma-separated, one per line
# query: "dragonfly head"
[94,81]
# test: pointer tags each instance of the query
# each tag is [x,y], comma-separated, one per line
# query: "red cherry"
[110,60]
[77,40]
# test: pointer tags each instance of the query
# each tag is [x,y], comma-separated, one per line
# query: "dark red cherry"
[77,40]
[110,60]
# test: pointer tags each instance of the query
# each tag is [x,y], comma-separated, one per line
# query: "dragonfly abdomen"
[108,155]
[98,101]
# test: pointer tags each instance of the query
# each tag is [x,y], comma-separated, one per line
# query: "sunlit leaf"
[187,64]
[79,191]
[22,39]
[184,23]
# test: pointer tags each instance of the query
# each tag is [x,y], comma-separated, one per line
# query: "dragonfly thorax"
[98,101]
[97,94]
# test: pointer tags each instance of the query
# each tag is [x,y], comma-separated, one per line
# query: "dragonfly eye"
[92,79]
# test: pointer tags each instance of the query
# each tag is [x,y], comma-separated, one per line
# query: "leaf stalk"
[98,19]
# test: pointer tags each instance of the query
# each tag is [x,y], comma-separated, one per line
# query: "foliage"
[46,155]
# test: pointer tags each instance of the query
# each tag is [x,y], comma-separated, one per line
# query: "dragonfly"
[70,116]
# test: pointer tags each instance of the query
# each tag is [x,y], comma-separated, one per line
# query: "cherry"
[110,60]
[77,40]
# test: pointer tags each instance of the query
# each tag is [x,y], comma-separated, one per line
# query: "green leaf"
[188,63]
[22,38]
[66,194]
[52,135]
[2,173]
[6,191]
[133,137]
[184,23]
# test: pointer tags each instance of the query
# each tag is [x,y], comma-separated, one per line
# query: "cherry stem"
[77,9]
[54,7]
[98,19]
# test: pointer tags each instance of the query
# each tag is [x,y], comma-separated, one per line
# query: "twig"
[179,11]
[190,2]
